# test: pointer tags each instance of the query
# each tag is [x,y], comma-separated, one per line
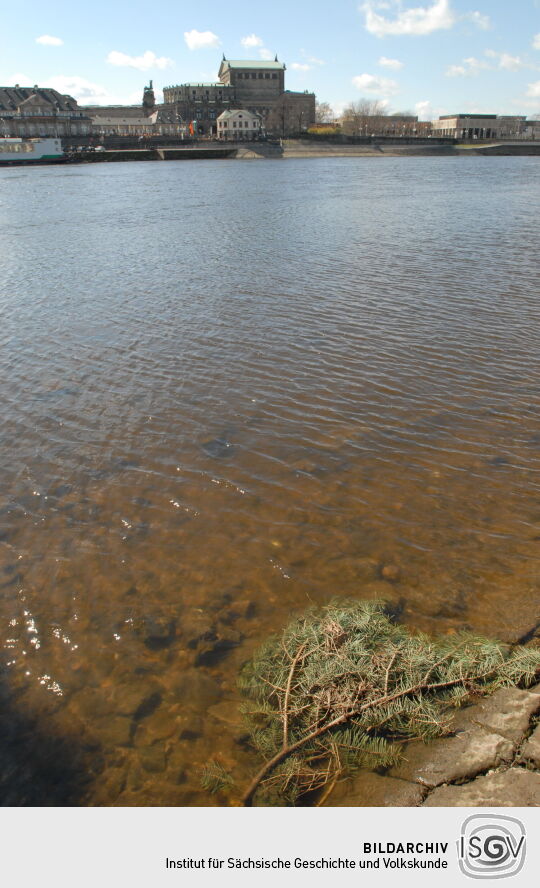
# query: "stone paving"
[490,759]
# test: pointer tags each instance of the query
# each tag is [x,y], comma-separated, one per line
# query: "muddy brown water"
[229,391]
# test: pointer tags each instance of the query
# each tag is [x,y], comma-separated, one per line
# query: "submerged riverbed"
[231,391]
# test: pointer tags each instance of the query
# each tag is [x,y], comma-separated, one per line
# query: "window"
[240,75]
[267,76]
[234,124]
[260,75]
[274,76]
[254,76]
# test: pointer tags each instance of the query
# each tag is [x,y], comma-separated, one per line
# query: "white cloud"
[395,64]
[470,67]
[21,79]
[297,66]
[47,40]
[418,20]
[201,39]
[373,84]
[142,63]
[81,89]
[339,107]
[88,93]
[533,104]
[312,60]
[266,55]
[510,63]
[424,111]
[456,71]
[536,41]
[533,90]
[481,21]
[251,40]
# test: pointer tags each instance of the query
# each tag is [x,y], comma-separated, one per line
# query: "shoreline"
[490,758]
[293,149]
[424,148]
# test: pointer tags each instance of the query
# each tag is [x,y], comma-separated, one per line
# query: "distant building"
[531,129]
[149,100]
[200,103]
[129,121]
[32,111]
[147,119]
[238,125]
[482,126]
[255,83]
[255,86]
[292,113]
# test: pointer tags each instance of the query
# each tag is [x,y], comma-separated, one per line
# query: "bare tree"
[362,118]
[323,113]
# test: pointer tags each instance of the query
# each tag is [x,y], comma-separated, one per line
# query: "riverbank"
[292,149]
[305,149]
[296,148]
[491,758]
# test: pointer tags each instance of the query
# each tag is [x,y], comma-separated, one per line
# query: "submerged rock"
[390,572]
[218,448]
[370,790]
[135,698]
[213,649]
[153,758]
[195,688]
[115,731]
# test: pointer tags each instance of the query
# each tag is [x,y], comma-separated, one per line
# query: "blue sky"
[429,56]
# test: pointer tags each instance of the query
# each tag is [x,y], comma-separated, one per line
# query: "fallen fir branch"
[343,684]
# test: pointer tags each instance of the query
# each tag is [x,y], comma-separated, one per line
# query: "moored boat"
[22,151]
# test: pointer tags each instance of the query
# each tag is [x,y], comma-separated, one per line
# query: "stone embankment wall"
[393,148]
[490,759]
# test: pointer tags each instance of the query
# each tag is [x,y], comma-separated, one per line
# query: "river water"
[228,391]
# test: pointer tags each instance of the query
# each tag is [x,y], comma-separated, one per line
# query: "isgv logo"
[491,846]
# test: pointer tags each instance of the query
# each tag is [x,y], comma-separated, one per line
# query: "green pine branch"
[339,685]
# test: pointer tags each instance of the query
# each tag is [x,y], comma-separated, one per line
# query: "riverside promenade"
[288,149]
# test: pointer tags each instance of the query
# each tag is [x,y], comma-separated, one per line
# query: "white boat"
[14,150]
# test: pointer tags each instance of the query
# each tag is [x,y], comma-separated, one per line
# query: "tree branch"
[297,656]
[287,750]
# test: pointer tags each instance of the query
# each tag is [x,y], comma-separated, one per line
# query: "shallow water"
[230,390]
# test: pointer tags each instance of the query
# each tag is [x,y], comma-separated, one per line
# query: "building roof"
[468,116]
[113,110]
[11,97]
[245,63]
[226,115]
[166,114]
[105,120]
[217,85]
